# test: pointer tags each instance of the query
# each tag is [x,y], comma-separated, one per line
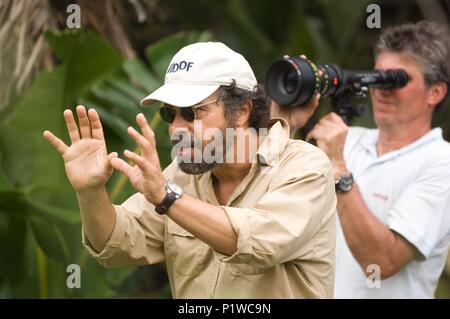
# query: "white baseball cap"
[197,71]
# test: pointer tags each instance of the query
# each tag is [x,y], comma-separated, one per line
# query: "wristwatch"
[173,193]
[344,183]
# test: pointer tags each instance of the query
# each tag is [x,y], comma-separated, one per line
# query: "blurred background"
[118,56]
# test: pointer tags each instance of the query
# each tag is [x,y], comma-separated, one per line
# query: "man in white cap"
[259,227]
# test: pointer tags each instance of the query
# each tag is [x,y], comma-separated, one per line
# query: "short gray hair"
[427,43]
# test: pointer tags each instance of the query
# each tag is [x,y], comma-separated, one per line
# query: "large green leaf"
[139,73]
[126,87]
[12,245]
[17,150]
[13,202]
[86,59]
[54,213]
[243,19]
[29,161]
[110,96]
[4,184]
[51,240]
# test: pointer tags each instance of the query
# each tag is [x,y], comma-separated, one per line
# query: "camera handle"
[341,103]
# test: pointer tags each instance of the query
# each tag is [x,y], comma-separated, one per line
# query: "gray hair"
[428,44]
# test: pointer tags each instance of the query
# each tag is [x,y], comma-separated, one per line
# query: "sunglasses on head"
[168,113]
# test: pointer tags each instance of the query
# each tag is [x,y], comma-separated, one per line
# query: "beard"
[200,165]
[196,168]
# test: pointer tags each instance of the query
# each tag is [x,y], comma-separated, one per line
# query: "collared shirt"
[409,191]
[283,213]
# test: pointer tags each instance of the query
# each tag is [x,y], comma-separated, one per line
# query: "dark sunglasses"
[168,113]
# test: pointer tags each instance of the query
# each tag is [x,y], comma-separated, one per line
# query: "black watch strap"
[166,203]
[173,192]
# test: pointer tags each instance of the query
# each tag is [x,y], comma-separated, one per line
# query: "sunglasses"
[168,113]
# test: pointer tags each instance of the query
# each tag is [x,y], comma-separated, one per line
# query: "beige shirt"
[283,213]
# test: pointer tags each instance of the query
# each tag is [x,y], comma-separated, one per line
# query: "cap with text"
[198,70]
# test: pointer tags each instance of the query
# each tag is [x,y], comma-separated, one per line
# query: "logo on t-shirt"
[382,197]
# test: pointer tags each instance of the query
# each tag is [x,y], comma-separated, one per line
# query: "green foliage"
[40,228]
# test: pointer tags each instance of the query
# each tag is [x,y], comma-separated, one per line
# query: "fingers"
[315,103]
[122,166]
[56,142]
[139,160]
[72,127]
[85,126]
[308,136]
[315,100]
[328,128]
[141,141]
[145,128]
[112,155]
[89,121]
[311,135]
[125,168]
[285,56]
[333,119]
[148,134]
[317,134]
[96,125]
[146,141]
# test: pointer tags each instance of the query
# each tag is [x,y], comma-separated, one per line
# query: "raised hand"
[296,116]
[330,134]
[86,160]
[146,176]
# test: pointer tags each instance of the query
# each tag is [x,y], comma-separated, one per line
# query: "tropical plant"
[39,223]
[40,230]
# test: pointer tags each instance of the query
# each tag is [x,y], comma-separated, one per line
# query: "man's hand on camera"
[296,116]
[330,134]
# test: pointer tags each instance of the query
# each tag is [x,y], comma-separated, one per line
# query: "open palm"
[86,160]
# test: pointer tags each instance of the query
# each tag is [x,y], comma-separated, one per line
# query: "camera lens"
[294,81]
[290,81]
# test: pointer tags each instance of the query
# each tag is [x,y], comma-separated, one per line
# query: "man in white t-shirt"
[393,182]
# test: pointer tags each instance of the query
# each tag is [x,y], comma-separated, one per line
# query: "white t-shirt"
[409,191]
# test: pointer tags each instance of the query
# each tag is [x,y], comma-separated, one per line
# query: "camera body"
[294,81]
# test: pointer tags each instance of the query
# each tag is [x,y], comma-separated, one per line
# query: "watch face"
[174,188]
[346,186]
[345,183]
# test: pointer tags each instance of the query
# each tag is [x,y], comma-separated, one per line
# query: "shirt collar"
[369,141]
[274,143]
